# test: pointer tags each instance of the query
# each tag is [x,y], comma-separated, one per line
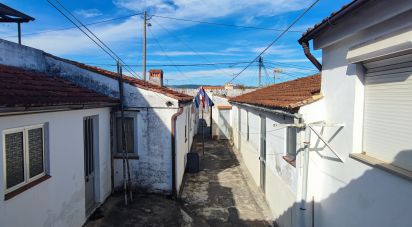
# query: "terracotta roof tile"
[289,95]
[132,81]
[21,88]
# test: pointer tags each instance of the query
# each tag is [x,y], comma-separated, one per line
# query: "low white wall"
[183,146]
[281,177]
[59,200]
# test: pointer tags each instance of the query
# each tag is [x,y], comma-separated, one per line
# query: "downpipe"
[308,54]
[173,143]
[303,200]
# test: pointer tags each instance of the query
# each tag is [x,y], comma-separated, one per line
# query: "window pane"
[129,134]
[14,159]
[291,138]
[36,151]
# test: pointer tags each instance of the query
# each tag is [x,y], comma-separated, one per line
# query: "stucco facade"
[153,112]
[59,200]
[349,192]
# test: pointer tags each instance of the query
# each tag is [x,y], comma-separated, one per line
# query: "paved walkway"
[221,194]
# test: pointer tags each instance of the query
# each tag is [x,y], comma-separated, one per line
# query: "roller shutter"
[387,130]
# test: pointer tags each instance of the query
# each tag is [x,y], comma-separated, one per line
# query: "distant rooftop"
[287,95]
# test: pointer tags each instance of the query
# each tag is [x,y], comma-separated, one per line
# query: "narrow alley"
[220,194]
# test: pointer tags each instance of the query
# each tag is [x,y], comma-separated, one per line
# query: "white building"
[367,86]
[264,132]
[160,125]
[55,150]
[354,146]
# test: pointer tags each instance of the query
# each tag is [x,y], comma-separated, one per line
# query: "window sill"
[363,157]
[130,156]
[25,187]
[289,159]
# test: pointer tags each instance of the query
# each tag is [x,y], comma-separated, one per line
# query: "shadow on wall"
[218,194]
[152,172]
[376,198]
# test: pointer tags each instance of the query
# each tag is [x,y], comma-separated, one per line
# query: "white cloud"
[192,53]
[73,42]
[88,13]
[197,9]
[277,50]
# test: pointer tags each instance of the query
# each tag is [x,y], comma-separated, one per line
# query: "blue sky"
[180,42]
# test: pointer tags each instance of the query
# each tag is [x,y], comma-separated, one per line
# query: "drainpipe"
[305,159]
[308,54]
[173,141]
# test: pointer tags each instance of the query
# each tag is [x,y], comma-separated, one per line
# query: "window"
[247,128]
[187,121]
[24,156]
[129,134]
[291,134]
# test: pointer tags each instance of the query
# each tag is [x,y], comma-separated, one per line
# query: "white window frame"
[26,159]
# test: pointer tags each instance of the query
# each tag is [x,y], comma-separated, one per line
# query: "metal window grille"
[36,162]
[24,156]
[14,159]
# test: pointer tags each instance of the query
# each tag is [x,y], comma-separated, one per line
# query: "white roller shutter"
[387,131]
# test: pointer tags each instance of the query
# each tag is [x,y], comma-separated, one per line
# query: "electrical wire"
[276,39]
[167,56]
[222,24]
[179,65]
[94,35]
[73,27]
[192,49]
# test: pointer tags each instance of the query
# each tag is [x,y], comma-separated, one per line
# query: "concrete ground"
[221,194]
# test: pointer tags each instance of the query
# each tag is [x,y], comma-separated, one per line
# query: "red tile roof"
[132,81]
[22,88]
[288,95]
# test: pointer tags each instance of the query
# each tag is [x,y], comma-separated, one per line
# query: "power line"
[72,27]
[276,39]
[187,45]
[101,42]
[223,25]
[179,65]
[292,65]
[167,56]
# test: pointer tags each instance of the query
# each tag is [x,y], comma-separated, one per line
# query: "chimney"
[156,77]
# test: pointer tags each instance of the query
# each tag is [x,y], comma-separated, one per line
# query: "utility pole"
[144,44]
[19,31]
[260,70]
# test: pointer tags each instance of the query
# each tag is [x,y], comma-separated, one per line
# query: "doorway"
[90,150]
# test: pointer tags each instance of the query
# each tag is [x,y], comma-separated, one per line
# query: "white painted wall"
[221,118]
[60,200]
[183,146]
[281,177]
[152,172]
[352,193]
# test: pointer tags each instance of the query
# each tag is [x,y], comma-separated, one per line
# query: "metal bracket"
[323,139]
